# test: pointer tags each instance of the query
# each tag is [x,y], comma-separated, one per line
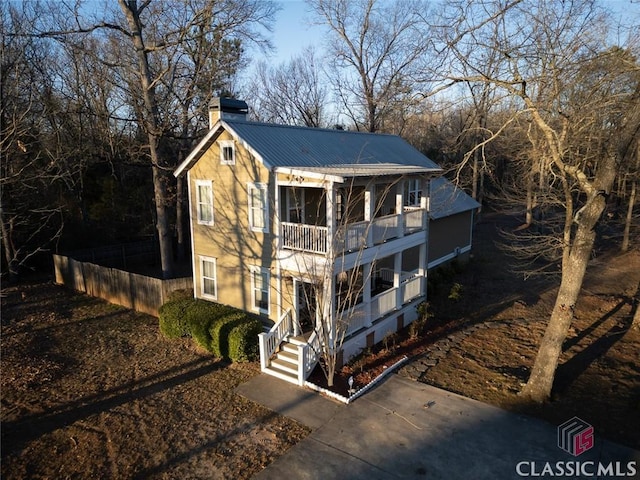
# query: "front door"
[305,305]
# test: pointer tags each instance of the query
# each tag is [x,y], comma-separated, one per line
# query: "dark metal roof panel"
[299,147]
[447,199]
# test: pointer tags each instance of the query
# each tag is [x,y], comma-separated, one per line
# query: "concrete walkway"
[406,429]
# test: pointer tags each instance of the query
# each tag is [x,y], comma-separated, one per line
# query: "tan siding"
[230,240]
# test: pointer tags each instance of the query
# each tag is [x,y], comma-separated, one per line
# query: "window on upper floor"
[260,289]
[204,202]
[412,192]
[227,152]
[258,207]
[208,278]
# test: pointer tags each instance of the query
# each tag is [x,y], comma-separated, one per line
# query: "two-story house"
[324,232]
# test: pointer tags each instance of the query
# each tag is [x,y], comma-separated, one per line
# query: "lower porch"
[292,347]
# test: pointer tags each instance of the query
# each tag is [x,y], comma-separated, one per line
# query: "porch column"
[330,194]
[400,208]
[424,202]
[423,258]
[328,308]
[397,272]
[367,273]
[369,206]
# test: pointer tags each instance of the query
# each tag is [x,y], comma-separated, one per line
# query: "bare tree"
[336,294]
[147,48]
[544,49]
[292,93]
[33,163]
[376,50]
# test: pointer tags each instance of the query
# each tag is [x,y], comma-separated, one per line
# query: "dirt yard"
[91,390]
[483,345]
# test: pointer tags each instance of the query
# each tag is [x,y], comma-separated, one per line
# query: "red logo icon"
[575,436]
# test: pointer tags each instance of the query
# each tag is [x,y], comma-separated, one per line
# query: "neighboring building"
[451,220]
[285,218]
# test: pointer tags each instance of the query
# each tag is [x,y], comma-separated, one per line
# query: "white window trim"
[204,259]
[265,210]
[225,144]
[203,183]
[260,270]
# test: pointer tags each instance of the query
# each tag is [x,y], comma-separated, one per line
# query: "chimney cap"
[228,105]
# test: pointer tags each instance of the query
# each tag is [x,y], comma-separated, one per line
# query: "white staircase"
[285,363]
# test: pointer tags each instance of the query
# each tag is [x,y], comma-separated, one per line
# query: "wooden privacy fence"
[131,290]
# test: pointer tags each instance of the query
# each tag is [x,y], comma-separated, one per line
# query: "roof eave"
[197,152]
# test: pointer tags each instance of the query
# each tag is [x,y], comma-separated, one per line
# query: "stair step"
[287,356]
[284,366]
[289,348]
[274,371]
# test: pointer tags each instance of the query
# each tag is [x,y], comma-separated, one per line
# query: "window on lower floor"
[260,289]
[208,278]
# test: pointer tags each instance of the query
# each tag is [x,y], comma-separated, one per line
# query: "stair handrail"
[308,356]
[271,340]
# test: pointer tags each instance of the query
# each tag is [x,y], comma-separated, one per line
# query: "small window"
[258,207]
[204,202]
[412,192]
[260,289]
[227,152]
[208,278]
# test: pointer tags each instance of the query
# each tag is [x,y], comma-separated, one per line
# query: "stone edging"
[439,349]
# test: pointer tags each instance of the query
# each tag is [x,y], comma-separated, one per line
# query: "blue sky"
[294,31]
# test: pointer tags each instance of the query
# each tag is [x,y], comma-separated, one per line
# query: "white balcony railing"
[351,237]
[303,237]
[384,303]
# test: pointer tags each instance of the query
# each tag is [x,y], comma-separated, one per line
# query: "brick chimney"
[223,107]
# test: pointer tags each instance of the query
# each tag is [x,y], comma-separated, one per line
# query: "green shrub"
[220,329]
[183,294]
[172,318]
[456,292]
[243,340]
[200,315]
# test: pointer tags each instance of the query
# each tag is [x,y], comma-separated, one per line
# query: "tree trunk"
[629,218]
[151,125]
[180,223]
[7,246]
[538,387]
[528,220]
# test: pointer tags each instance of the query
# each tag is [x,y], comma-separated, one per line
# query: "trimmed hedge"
[243,340]
[222,330]
[172,318]
[219,332]
[200,316]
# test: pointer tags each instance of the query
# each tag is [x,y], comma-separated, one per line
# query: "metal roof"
[314,148]
[447,199]
[291,146]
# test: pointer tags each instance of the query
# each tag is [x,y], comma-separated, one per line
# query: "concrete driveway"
[406,429]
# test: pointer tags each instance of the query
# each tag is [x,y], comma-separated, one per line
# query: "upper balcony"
[354,236]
